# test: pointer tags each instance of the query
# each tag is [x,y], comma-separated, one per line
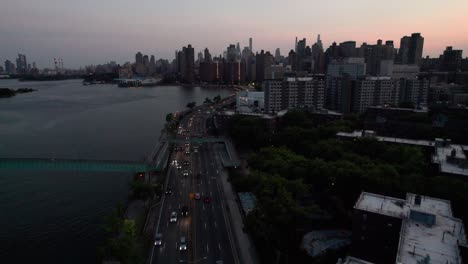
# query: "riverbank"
[7,92]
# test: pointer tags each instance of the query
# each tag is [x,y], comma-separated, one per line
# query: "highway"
[207,226]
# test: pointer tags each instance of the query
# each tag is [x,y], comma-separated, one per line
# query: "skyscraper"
[292,60]
[207,55]
[231,54]
[319,42]
[301,54]
[295,46]
[250,45]
[277,55]
[21,64]
[411,49]
[10,67]
[187,64]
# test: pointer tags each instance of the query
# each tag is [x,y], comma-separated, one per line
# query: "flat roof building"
[418,229]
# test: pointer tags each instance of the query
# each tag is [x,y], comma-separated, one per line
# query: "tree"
[217,99]
[169,117]
[207,101]
[191,105]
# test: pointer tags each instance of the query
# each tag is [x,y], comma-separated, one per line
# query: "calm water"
[56,217]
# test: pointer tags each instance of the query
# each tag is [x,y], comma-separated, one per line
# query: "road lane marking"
[219,246]
[205,225]
[207,249]
[216,225]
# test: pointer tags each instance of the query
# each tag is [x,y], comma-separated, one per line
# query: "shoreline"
[9,92]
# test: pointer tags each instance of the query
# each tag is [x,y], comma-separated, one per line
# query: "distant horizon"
[89,33]
[131,57]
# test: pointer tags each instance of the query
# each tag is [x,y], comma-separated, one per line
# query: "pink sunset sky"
[90,32]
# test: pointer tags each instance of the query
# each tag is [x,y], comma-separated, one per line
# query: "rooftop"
[428,231]
[457,164]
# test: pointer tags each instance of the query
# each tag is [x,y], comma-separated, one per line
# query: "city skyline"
[82,35]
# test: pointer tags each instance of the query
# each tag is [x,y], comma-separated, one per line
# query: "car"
[186,163]
[173,218]
[183,244]
[179,166]
[169,191]
[184,211]
[207,199]
[185,173]
[158,239]
[174,162]
[195,150]
[197,196]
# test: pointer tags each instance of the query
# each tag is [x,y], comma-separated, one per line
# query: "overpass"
[156,161]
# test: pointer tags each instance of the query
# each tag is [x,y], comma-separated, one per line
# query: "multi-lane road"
[206,228]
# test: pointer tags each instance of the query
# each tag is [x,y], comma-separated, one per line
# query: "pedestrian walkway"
[246,248]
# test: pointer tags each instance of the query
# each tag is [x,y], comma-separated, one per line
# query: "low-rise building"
[250,102]
[418,229]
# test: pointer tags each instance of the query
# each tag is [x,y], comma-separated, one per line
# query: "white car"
[183,244]
[185,173]
[173,218]
[174,162]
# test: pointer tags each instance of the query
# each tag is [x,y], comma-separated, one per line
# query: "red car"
[207,199]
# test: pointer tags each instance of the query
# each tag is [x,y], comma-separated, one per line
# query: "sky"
[84,32]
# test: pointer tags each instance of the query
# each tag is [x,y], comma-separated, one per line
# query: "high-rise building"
[292,60]
[295,46]
[231,53]
[10,67]
[250,45]
[301,54]
[294,92]
[347,49]
[211,72]
[233,72]
[450,60]
[375,54]
[141,64]
[207,55]
[21,64]
[411,49]
[277,55]
[373,91]
[338,82]
[414,91]
[188,64]
[262,61]
[319,42]
[238,50]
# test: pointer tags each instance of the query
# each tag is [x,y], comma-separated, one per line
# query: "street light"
[195,261]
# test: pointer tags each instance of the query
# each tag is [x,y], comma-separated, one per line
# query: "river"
[57,217]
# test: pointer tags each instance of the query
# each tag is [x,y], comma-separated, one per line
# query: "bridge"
[156,161]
